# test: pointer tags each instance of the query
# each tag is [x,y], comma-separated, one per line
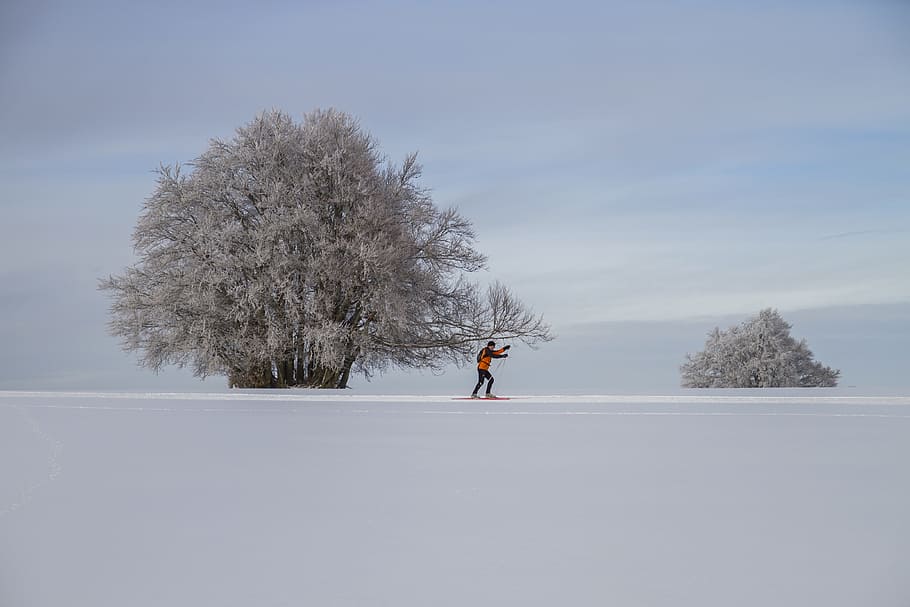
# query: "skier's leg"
[489,383]
[479,382]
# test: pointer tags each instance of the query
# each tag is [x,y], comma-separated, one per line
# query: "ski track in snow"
[518,405]
[612,406]
[673,414]
[55,447]
[328,397]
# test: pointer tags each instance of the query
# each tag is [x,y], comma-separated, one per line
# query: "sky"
[637,172]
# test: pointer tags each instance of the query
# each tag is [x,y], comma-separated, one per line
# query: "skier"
[484,358]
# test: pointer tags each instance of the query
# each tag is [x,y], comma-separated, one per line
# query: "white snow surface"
[275,498]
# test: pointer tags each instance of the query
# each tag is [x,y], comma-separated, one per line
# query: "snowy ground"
[288,498]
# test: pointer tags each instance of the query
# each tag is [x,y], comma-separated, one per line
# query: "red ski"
[481,398]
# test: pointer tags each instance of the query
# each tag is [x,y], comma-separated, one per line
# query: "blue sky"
[639,172]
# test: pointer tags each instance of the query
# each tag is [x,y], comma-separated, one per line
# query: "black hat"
[491,343]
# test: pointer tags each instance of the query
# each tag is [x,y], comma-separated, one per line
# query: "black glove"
[507,347]
[505,355]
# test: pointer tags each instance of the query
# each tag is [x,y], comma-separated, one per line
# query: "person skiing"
[484,358]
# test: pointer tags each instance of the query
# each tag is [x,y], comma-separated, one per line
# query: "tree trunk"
[259,376]
[315,376]
[329,377]
[346,372]
[286,376]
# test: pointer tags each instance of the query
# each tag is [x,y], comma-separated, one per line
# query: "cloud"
[863,233]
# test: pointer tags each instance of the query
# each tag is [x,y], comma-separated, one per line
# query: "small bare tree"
[294,255]
[759,353]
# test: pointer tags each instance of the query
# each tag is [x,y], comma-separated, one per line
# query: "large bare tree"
[295,254]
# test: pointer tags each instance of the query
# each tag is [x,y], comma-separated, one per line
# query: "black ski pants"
[483,374]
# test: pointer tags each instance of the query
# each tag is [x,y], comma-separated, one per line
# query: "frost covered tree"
[295,254]
[759,353]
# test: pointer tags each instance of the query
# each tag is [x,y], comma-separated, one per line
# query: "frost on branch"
[759,353]
[294,254]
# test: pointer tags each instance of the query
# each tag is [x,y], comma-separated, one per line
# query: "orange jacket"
[487,355]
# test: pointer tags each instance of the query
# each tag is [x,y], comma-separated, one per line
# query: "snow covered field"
[299,498]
